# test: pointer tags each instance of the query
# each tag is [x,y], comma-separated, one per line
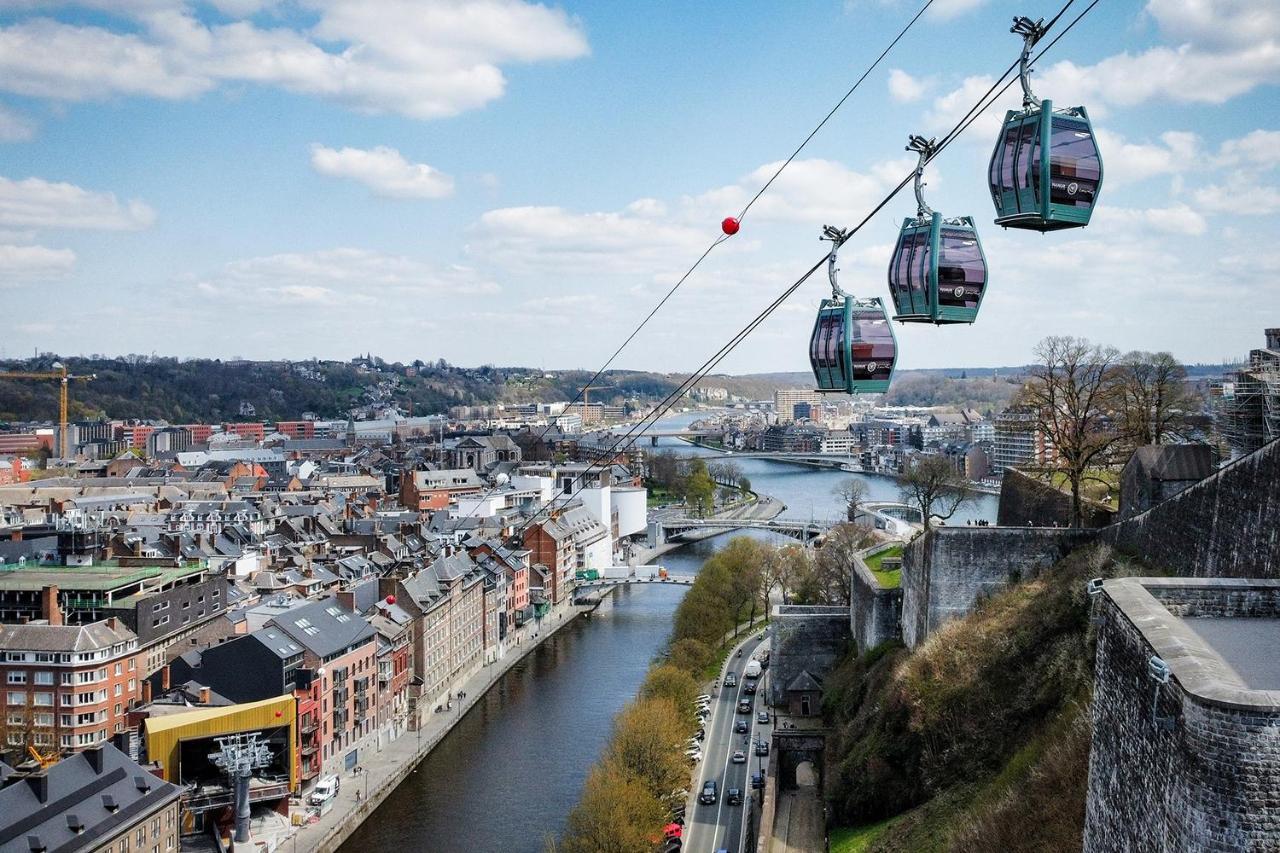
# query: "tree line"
[693,480]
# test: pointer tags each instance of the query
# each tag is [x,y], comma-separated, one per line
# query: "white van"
[753,669]
[325,790]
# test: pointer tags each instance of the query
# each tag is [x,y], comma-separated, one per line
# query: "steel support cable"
[723,237]
[965,122]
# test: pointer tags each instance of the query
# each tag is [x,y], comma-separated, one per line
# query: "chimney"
[94,756]
[49,610]
[112,623]
[146,691]
[205,695]
[1273,339]
[39,783]
[347,599]
[164,677]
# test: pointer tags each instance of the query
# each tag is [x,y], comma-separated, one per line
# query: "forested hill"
[212,390]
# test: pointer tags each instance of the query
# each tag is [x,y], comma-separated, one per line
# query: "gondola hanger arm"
[1031,32]
[926,148]
[837,236]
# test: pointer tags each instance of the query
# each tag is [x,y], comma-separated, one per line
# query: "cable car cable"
[665,404]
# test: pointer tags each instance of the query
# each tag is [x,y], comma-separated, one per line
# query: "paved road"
[720,826]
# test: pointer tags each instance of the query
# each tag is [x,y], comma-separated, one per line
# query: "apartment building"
[1019,441]
[66,687]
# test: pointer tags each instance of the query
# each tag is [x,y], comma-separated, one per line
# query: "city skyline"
[519,184]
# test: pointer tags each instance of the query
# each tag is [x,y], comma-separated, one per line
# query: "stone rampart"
[1192,763]
[949,569]
[1227,525]
[1025,501]
[875,613]
[804,639]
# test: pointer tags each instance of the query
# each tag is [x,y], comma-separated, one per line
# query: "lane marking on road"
[728,751]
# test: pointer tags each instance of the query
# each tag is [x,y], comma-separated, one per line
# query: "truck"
[587,575]
[753,669]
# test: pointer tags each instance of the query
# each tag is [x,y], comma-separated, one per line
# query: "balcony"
[309,727]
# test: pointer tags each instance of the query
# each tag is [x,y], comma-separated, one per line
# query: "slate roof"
[804,683]
[100,787]
[325,627]
[63,638]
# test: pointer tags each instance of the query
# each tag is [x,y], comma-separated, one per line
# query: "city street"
[721,826]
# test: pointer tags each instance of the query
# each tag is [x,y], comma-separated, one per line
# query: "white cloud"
[37,203]
[1124,222]
[383,170]
[336,277]
[1129,162]
[15,127]
[1260,149]
[905,88]
[1241,194]
[419,59]
[24,264]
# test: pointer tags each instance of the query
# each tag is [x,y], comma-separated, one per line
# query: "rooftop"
[105,575]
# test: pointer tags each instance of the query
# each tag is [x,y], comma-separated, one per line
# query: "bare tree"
[1075,391]
[934,486]
[833,566]
[853,492]
[1153,396]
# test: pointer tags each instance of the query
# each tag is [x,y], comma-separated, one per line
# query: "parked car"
[710,793]
[742,727]
[734,797]
[757,780]
[739,757]
[705,697]
[701,735]
[325,790]
[763,718]
[762,747]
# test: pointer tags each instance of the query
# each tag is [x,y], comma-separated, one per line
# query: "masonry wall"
[802,639]
[1208,782]
[1227,525]
[875,613]
[949,569]
[1025,501]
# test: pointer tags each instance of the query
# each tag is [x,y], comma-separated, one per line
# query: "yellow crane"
[59,375]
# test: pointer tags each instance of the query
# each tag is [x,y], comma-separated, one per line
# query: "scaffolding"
[1248,400]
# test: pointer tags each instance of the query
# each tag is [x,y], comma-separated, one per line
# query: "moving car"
[744,707]
[742,727]
[749,688]
[763,718]
[753,669]
[730,680]
[739,757]
[710,793]
[734,797]
[757,780]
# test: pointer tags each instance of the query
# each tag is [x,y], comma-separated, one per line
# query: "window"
[17,698]
[68,720]
[17,678]
[44,700]
[68,741]
[17,738]
[119,669]
[44,739]
[68,678]
[44,720]
[132,685]
[17,720]
[119,689]
[131,662]
[44,677]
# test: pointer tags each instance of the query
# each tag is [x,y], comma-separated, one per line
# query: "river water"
[507,774]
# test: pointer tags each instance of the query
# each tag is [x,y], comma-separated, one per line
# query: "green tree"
[670,682]
[690,654]
[648,740]
[700,490]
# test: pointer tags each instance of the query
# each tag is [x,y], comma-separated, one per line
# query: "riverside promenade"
[383,770]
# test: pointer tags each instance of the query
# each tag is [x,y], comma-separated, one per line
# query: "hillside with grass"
[979,741]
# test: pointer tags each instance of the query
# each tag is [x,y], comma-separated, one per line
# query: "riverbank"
[362,793]
[763,508]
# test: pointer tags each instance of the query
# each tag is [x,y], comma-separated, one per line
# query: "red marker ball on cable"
[729,226]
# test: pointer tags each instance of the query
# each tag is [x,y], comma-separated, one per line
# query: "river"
[504,778]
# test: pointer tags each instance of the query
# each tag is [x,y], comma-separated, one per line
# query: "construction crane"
[586,399]
[42,760]
[60,375]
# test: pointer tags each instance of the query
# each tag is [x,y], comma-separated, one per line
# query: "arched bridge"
[672,529]
[676,580]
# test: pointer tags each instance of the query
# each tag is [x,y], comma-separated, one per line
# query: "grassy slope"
[978,741]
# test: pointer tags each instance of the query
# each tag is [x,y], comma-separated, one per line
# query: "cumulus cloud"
[1259,149]
[37,203]
[383,170]
[419,59]
[905,88]
[1129,162]
[25,264]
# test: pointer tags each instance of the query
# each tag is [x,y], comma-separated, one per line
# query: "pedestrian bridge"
[669,580]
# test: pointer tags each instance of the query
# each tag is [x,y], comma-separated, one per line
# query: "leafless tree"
[1153,396]
[853,492]
[833,565]
[1075,390]
[934,486]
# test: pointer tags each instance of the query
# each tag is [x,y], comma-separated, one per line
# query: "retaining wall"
[1024,500]
[948,570]
[804,638]
[875,613]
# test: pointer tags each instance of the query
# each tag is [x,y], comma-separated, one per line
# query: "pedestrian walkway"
[380,772]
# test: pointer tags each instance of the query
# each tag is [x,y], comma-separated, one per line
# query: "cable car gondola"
[938,273]
[853,349]
[1036,186]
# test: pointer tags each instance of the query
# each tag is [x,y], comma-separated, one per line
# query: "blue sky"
[512,183]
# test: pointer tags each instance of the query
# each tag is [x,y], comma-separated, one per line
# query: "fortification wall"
[1192,764]
[1227,525]
[949,569]
[875,613]
[804,639]
[1025,501]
